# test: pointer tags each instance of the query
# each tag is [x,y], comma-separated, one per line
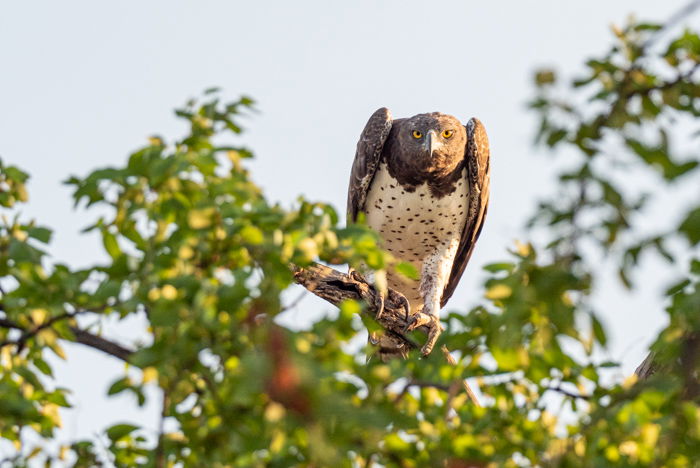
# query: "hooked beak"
[432,143]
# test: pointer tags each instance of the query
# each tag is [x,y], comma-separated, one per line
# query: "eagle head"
[432,143]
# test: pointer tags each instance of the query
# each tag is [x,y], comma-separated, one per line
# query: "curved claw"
[430,321]
[406,307]
[433,334]
[380,308]
[355,276]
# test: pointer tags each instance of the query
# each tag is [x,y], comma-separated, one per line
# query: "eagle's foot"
[363,285]
[432,323]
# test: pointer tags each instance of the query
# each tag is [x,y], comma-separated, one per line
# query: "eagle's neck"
[441,177]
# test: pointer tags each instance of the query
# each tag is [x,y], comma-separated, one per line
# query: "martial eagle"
[423,184]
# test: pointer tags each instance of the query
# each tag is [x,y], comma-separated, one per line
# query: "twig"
[564,392]
[452,392]
[427,384]
[7,323]
[673,20]
[450,359]
[159,456]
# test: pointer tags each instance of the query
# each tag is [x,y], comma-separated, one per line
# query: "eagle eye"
[416,134]
[447,133]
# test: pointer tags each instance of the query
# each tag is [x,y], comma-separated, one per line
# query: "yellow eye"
[447,133]
[417,134]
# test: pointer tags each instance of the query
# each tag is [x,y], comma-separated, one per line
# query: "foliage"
[196,249]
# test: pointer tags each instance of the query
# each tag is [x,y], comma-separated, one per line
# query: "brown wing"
[367,155]
[479,177]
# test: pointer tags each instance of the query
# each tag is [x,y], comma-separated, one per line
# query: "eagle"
[423,185]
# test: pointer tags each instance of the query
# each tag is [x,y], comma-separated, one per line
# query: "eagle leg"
[432,323]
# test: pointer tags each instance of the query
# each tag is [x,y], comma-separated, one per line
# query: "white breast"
[415,225]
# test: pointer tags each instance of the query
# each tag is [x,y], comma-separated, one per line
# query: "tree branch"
[336,287]
[647,368]
[559,389]
[81,336]
[102,344]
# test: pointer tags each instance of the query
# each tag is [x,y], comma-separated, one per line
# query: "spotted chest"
[417,227]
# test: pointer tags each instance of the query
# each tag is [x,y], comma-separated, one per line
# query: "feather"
[479,177]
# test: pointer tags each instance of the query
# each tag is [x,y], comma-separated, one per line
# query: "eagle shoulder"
[367,156]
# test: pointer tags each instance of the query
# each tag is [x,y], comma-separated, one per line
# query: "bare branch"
[336,287]
[102,344]
[465,384]
[647,368]
[6,323]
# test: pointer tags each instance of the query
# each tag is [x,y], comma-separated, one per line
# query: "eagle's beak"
[432,142]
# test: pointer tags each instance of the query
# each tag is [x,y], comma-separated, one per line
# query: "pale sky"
[83,83]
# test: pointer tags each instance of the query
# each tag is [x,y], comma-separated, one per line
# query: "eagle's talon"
[418,320]
[380,307]
[433,335]
[410,322]
[432,323]
[355,276]
[406,307]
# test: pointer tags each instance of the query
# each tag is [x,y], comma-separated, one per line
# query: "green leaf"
[58,398]
[43,367]
[678,287]
[496,267]
[111,245]
[252,235]
[41,234]
[22,252]
[350,307]
[507,359]
[163,316]
[556,136]
[396,444]
[119,431]
[408,270]
[119,386]
[695,266]
[690,226]
[108,288]
[598,331]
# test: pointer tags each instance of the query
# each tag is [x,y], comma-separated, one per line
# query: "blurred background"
[84,83]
